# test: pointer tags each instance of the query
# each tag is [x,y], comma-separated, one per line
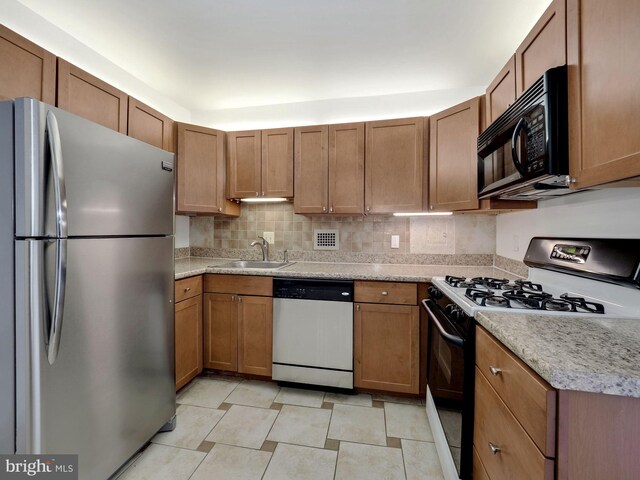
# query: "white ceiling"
[221,54]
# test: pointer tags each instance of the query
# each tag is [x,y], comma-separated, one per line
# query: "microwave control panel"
[536,140]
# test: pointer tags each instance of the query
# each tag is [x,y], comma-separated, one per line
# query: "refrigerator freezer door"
[111,386]
[113,185]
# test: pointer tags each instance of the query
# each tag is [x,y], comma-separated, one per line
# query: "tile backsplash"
[458,234]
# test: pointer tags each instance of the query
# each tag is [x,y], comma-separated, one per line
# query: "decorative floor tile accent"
[301,426]
[244,427]
[292,462]
[358,424]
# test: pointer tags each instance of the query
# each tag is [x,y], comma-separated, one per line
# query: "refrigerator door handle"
[58,174]
[53,342]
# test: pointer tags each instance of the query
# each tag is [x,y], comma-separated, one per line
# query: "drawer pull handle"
[495,370]
[385,293]
[495,450]
[187,289]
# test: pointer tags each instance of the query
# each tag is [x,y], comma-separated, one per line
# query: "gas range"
[567,277]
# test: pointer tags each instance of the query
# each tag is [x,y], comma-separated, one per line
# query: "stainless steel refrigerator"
[86,288]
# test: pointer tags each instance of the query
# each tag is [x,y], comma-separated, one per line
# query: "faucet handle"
[264,242]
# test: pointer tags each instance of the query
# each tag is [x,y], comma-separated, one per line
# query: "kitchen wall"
[612,212]
[455,235]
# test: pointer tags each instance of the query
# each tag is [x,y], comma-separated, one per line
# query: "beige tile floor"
[230,429]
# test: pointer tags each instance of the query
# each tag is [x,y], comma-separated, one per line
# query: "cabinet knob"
[495,370]
[233,298]
[385,293]
[495,450]
[331,209]
[368,209]
[187,289]
[239,299]
[431,207]
[358,307]
[257,194]
[220,209]
[324,209]
[263,194]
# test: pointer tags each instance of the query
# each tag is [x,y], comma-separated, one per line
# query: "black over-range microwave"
[523,154]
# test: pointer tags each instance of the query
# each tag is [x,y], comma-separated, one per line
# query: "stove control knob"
[434,293]
[454,312]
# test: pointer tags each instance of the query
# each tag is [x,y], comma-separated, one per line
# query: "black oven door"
[450,379]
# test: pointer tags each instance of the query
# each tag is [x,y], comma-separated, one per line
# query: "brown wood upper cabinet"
[89,97]
[26,70]
[604,67]
[261,163]
[201,170]
[329,169]
[543,48]
[150,126]
[394,165]
[453,169]
[501,92]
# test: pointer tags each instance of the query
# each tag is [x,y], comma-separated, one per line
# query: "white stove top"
[618,301]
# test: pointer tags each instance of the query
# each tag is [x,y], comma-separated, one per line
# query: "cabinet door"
[26,70]
[604,94]
[545,47]
[394,165]
[221,332]
[346,168]
[150,126]
[188,331]
[200,169]
[311,170]
[277,162]
[386,347]
[453,163]
[501,93]
[255,338]
[89,97]
[244,165]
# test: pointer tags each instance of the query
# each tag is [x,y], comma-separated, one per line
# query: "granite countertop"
[588,354]
[187,267]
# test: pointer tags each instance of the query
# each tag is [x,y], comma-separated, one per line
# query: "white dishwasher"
[313,332]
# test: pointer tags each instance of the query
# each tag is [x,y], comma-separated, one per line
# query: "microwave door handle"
[514,151]
[453,339]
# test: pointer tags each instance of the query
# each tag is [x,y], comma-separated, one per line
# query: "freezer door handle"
[53,136]
[53,342]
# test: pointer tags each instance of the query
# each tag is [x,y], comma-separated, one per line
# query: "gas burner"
[454,281]
[581,304]
[557,305]
[525,299]
[526,285]
[489,282]
[495,301]
[477,294]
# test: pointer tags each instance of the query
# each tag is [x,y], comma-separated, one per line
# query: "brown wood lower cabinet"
[221,332]
[386,347]
[255,335]
[188,329]
[238,328]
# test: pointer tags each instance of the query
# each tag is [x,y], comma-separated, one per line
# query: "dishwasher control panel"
[313,289]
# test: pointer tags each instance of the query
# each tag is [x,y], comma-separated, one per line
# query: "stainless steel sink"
[252,264]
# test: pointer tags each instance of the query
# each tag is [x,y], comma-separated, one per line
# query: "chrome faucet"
[264,246]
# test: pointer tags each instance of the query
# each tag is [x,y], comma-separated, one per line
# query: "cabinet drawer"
[386,292]
[495,425]
[529,397]
[479,473]
[188,287]
[239,284]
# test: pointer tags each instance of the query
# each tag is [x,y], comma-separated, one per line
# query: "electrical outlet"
[269,237]
[395,241]
[516,243]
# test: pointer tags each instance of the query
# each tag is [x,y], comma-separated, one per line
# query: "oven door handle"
[522,123]
[455,340]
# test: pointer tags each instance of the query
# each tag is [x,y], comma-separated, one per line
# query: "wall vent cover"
[326,239]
